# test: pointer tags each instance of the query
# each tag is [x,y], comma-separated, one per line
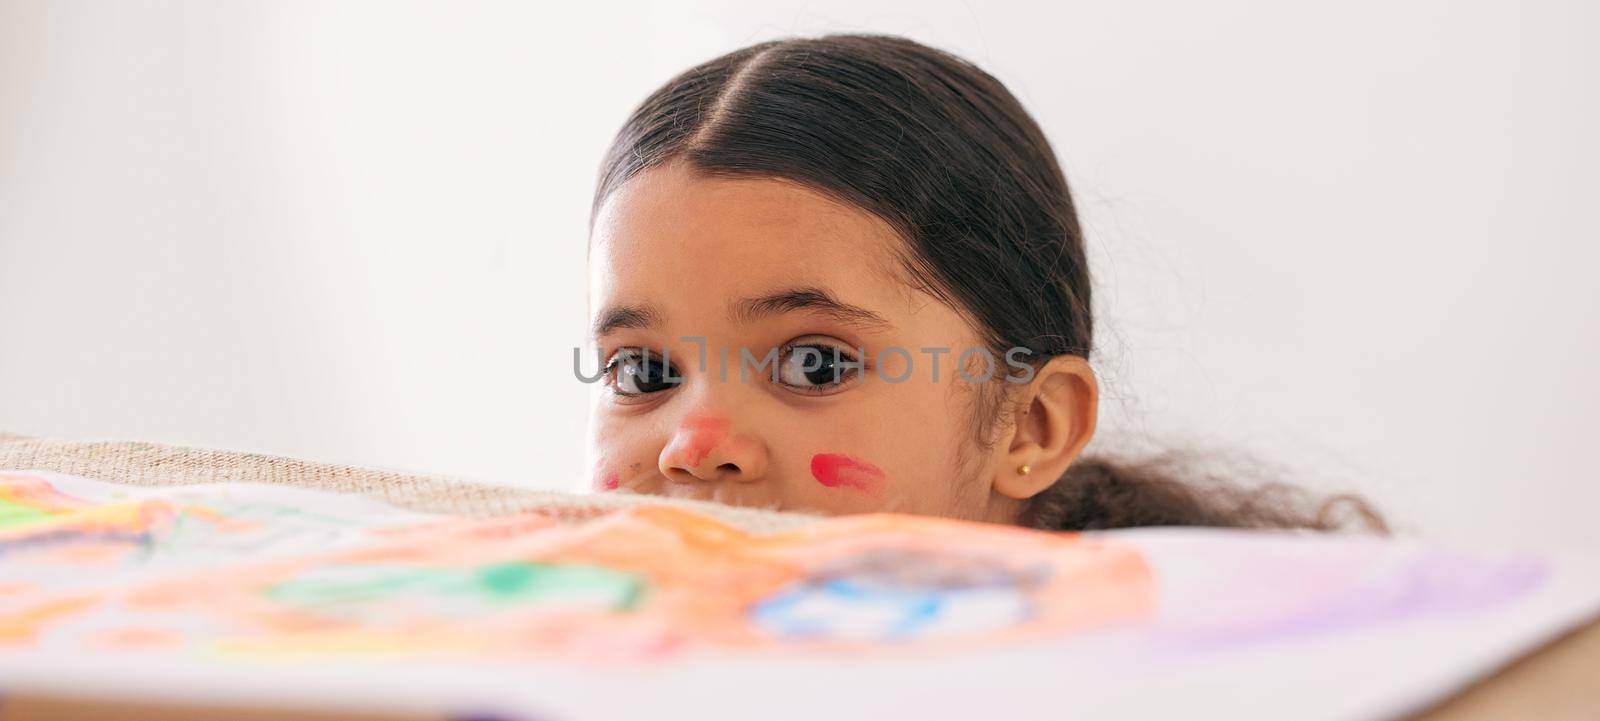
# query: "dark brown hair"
[944,153]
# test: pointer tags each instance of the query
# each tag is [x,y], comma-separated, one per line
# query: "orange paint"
[135,638]
[1071,582]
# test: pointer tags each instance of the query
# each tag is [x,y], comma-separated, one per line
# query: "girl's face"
[681,262]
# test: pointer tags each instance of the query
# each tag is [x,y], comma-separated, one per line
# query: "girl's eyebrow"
[625,316]
[750,310]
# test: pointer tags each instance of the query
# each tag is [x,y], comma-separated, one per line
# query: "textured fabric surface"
[153,464]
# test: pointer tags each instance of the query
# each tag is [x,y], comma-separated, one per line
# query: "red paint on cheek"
[602,479]
[836,470]
[704,433]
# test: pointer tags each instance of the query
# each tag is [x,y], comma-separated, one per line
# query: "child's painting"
[253,591]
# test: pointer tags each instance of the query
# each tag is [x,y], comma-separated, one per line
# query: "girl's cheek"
[602,478]
[837,470]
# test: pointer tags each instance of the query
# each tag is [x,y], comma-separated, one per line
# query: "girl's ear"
[1053,419]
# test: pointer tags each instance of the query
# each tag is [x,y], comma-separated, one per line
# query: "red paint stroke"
[703,434]
[836,470]
[602,479]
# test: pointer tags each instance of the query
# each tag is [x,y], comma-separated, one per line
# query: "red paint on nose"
[704,433]
[610,482]
[836,470]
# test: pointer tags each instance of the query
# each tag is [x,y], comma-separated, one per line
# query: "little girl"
[844,274]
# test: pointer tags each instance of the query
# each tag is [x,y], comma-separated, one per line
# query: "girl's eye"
[635,372]
[816,368]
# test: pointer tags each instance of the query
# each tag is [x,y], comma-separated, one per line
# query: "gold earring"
[1023,469]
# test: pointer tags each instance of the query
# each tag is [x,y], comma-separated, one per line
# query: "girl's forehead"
[674,211]
[673,233]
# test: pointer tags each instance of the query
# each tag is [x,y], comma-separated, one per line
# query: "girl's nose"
[706,448]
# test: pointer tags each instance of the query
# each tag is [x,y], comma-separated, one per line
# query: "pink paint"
[603,479]
[836,470]
[703,435]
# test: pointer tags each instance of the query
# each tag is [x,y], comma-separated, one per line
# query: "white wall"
[1347,237]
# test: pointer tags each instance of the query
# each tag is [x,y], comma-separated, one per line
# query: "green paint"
[508,579]
[334,587]
[16,514]
[539,580]
[493,586]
